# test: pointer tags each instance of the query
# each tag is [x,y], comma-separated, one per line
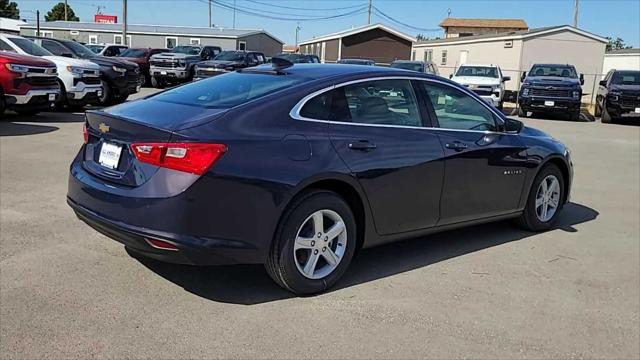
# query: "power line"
[304,9]
[280,13]
[389,18]
[229,7]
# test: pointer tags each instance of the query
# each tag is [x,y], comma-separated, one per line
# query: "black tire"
[158,84]
[282,263]
[606,118]
[119,99]
[575,116]
[27,112]
[523,112]
[529,219]
[107,94]
[501,105]
[3,105]
[62,100]
[597,112]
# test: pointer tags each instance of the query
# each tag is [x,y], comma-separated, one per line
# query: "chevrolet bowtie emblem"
[104,128]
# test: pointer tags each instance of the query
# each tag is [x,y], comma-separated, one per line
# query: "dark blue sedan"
[299,166]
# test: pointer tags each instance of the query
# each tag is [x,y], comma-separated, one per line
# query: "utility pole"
[234,14]
[576,5]
[124,22]
[369,21]
[297,32]
[37,22]
[66,18]
[210,22]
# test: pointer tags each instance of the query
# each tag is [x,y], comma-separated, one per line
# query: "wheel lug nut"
[326,238]
[313,243]
[315,252]
[324,249]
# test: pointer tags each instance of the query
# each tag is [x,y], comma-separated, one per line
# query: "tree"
[9,9]
[57,13]
[616,44]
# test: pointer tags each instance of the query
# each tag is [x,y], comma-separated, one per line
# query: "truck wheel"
[575,116]
[522,112]
[501,105]
[62,101]
[107,94]
[158,84]
[3,105]
[597,112]
[606,118]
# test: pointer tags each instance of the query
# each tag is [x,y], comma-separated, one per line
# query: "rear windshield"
[483,71]
[407,66]
[626,78]
[554,70]
[30,47]
[133,53]
[229,90]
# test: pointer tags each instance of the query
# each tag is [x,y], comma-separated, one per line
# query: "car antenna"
[280,64]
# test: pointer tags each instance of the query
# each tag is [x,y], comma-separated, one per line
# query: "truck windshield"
[483,71]
[189,50]
[554,70]
[230,56]
[228,90]
[80,50]
[407,66]
[626,78]
[95,48]
[133,53]
[30,47]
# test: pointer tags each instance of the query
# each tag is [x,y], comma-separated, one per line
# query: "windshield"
[230,56]
[189,50]
[133,53]
[80,50]
[407,66]
[482,71]
[228,90]
[626,78]
[554,70]
[30,47]
[95,48]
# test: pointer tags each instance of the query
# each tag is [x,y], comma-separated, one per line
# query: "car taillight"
[194,158]
[85,132]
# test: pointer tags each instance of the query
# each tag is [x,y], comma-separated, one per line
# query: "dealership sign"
[105,19]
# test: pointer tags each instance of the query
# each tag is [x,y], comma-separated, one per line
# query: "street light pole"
[210,22]
[369,21]
[37,22]
[297,32]
[576,5]
[124,22]
[66,18]
[234,14]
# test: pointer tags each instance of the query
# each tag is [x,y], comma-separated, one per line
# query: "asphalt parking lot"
[491,291]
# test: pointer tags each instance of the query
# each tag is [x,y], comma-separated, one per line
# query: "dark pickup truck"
[551,88]
[619,96]
[228,61]
[178,65]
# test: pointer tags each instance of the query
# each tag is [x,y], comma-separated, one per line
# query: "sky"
[615,18]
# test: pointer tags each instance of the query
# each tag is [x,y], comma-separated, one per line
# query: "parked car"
[357,62]
[619,96]
[28,84]
[551,88]
[141,57]
[119,78]
[178,65]
[419,66]
[107,49]
[299,166]
[79,79]
[485,80]
[228,61]
[298,58]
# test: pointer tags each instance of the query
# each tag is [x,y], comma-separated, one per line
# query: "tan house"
[517,51]
[455,27]
[376,42]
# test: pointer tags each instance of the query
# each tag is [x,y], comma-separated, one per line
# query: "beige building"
[455,27]
[625,59]
[517,51]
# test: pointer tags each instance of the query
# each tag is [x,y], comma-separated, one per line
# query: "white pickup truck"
[79,79]
[485,80]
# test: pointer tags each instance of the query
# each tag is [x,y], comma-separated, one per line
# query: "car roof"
[319,71]
[481,65]
[552,65]
[408,62]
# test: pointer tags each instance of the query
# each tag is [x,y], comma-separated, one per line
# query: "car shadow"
[15,129]
[249,284]
[624,121]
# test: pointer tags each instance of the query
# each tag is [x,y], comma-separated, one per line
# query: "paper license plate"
[52,97]
[137,88]
[549,103]
[110,155]
[637,110]
[99,92]
[163,73]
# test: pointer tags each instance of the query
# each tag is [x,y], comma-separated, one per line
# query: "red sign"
[105,19]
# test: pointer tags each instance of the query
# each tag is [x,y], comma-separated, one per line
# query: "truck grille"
[205,73]
[550,93]
[89,80]
[36,81]
[169,64]
[631,101]
[132,77]
[483,92]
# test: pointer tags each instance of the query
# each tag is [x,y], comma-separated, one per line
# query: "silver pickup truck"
[177,66]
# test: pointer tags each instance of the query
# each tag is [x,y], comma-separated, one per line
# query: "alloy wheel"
[547,198]
[320,244]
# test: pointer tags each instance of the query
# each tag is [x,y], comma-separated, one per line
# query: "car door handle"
[362,145]
[456,145]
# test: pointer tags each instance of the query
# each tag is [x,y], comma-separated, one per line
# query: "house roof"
[485,23]
[623,52]
[514,35]
[357,30]
[11,24]
[151,29]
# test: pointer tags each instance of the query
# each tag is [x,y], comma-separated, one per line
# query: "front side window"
[80,50]
[455,109]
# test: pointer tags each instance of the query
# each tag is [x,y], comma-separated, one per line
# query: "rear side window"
[229,90]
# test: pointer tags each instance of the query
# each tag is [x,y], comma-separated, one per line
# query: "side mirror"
[603,83]
[513,125]
[506,78]
[524,76]
[581,79]
[450,76]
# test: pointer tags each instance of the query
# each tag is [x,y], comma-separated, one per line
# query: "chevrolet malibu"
[299,166]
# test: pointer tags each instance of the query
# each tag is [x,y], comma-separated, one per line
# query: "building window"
[170,42]
[242,45]
[444,58]
[413,55]
[44,33]
[428,55]
[117,39]
[194,41]
[93,39]
[74,32]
